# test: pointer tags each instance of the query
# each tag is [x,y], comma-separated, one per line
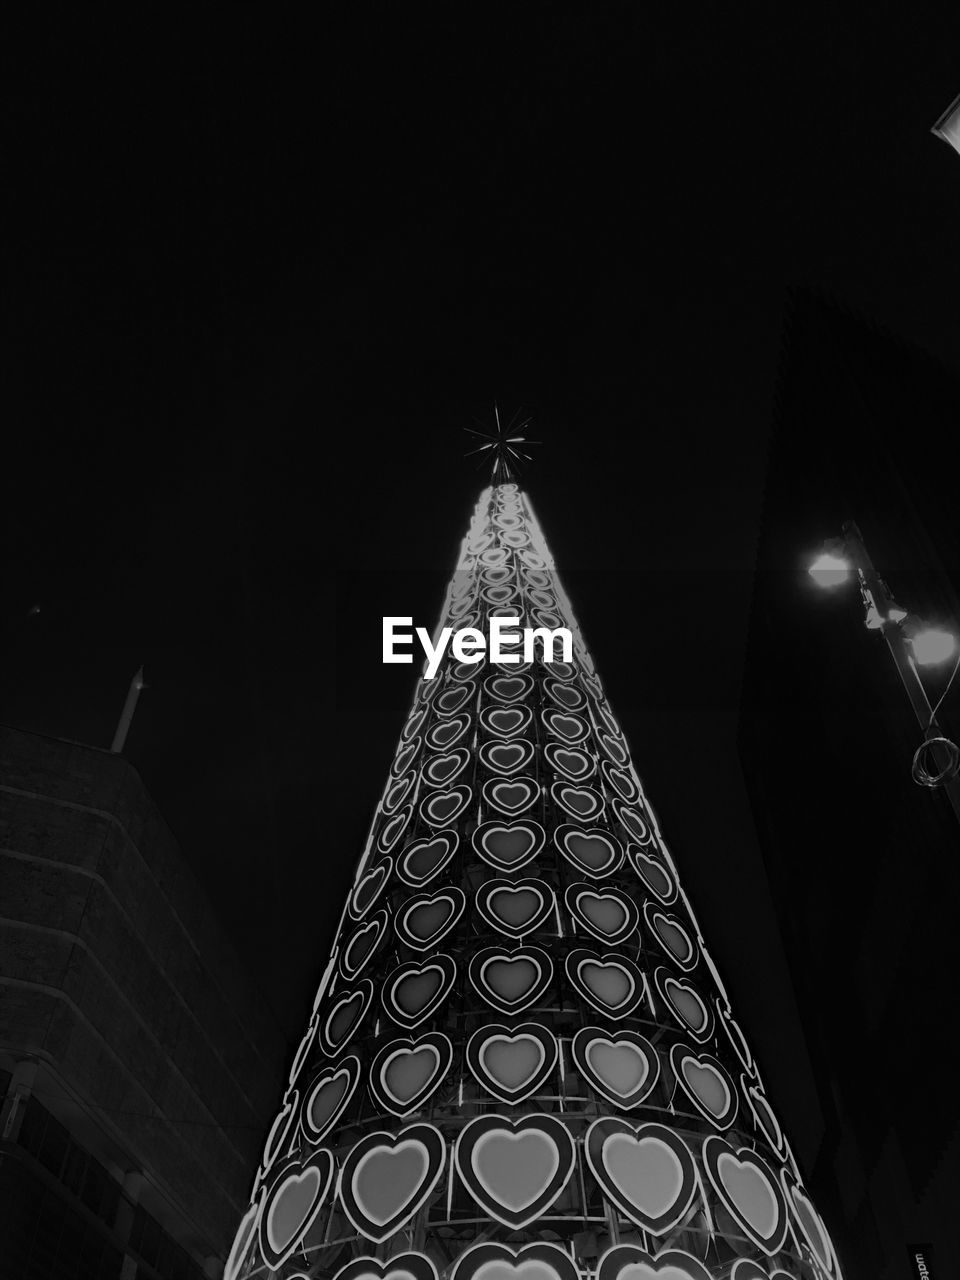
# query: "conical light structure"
[521,1062]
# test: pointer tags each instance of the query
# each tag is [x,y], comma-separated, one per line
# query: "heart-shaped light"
[402,1266]
[685,1003]
[369,887]
[452,699]
[747,1269]
[415,990]
[508,846]
[706,1083]
[405,754]
[237,1257]
[497,576]
[298,1191]
[567,696]
[763,1115]
[279,1135]
[608,914]
[446,733]
[622,1066]
[735,1036]
[510,797]
[510,981]
[561,670]
[493,557]
[505,722]
[343,1016]
[654,873]
[387,1177]
[541,598]
[630,1262]
[326,1096]
[506,758]
[460,606]
[568,728]
[515,1169]
[508,688]
[613,747]
[397,792]
[515,538]
[591,850]
[426,918]
[580,802]
[413,724]
[444,807]
[607,721]
[464,671]
[572,762]
[647,1171]
[610,982]
[393,828]
[423,859]
[361,945]
[631,822]
[673,938]
[537,1261]
[442,769]
[502,594]
[405,1073]
[621,781]
[747,1186]
[515,907]
[512,1062]
[808,1220]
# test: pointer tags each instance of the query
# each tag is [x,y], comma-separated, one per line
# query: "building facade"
[138,1063]
[861,860]
[521,1058]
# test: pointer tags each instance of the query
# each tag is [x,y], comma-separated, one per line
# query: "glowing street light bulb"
[829,570]
[931,646]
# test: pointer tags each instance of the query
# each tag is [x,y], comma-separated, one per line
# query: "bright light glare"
[829,570]
[932,646]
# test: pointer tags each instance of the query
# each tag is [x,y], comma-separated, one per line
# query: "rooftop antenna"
[501,446]
[126,715]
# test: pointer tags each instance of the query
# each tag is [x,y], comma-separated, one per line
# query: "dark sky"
[260,275]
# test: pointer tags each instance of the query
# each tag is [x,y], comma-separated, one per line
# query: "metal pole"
[126,715]
[875,586]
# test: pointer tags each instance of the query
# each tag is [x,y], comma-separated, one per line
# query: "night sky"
[259,277]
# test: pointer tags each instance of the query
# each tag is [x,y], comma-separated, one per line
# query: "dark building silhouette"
[139,1065]
[861,860]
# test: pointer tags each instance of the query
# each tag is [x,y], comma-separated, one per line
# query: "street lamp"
[911,642]
[930,645]
[829,569]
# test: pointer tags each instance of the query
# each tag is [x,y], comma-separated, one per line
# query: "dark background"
[261,274]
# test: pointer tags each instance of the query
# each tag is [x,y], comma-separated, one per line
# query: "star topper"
[501,447]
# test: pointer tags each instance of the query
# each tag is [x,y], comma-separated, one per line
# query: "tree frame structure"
[521,1062]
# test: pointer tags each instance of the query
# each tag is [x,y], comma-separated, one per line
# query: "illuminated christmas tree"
[521,1062]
